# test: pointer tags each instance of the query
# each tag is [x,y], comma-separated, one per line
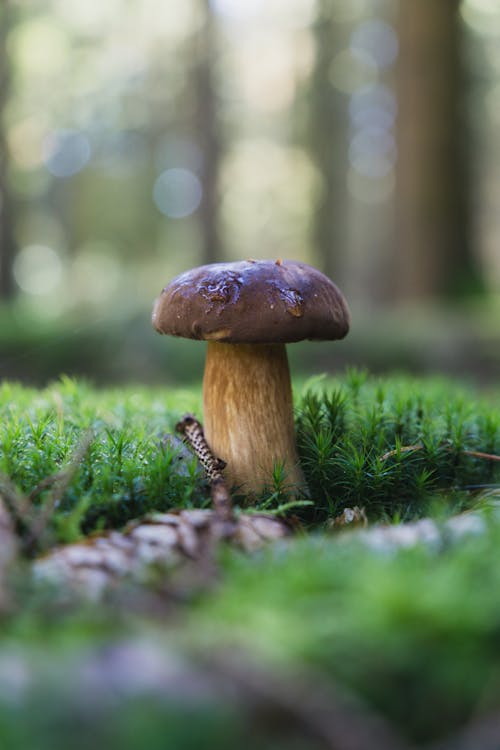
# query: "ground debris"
[178,540]
[160,541]
[433,534]
[350,518]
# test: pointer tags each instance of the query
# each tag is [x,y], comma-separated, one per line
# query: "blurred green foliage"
[413,632]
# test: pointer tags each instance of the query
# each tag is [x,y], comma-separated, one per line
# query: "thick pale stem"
[248,413]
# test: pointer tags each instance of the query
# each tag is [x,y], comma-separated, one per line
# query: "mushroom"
[247,311]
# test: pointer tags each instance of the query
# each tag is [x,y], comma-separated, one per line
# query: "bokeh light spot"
[25,139]
[378,40]
[482,16]
[66,152]
[372,152]
[37,269]
[39,46]
[238,9]
[373,106]
[297,14]
[177,193]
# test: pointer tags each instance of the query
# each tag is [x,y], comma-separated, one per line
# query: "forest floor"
[379,633]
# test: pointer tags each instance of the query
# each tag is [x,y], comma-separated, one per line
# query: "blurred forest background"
[139,138]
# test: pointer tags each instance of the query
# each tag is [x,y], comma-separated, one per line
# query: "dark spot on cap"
[222,289]
[294,304]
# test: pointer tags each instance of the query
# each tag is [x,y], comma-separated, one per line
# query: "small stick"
[193,433]
[404,449]
[479,454]
[419,447]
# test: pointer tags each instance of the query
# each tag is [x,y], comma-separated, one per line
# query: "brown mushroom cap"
[252,302]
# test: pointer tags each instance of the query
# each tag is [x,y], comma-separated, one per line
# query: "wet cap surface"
[261,302]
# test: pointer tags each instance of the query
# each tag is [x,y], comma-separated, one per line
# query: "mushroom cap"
[252,302]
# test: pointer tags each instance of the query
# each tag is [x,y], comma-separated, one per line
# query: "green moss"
[414,633]
[127,471]
[353,435]
[394,444]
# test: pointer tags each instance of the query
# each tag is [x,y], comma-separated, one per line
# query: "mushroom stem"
[248,414]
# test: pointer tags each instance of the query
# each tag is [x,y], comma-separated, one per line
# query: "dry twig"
[420,446]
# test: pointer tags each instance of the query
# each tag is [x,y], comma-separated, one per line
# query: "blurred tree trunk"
[207,132]
[327,146]
[433,254]
[7,242]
